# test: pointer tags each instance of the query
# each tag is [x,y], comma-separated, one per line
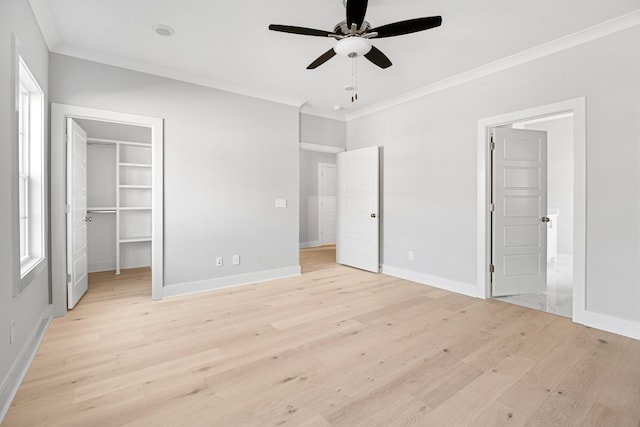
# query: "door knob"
[373,215]
[546,219]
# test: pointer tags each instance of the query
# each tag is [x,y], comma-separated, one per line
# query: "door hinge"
[68,278]
[492,207]
[67,208]
[492,268]
[492,145]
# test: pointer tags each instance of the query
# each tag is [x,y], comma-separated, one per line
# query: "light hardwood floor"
[334,347]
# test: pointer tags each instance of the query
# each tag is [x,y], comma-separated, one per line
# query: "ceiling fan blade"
[322,59]
[356,10]
[299,30]
[378,58]
[407,27]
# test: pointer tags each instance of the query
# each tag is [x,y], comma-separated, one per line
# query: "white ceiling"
[227,44]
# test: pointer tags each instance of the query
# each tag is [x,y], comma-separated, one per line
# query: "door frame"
[59,115]
[576,106]
[320,166]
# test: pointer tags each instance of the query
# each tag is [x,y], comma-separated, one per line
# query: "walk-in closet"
[119,190]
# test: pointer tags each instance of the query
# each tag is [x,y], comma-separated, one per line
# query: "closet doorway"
[114,223]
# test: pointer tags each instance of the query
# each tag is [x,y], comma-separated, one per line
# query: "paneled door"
[519,221]
[327,183]
[77,279]
[358,209]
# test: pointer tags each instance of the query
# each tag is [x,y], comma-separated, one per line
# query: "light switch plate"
[281,203]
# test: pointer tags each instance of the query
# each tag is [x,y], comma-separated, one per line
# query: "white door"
[519,229]
[328,205]
[358,209]
[77,280]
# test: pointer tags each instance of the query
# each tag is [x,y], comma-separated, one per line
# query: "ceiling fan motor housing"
[344,28]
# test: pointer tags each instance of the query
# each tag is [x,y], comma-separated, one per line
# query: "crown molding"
[604,29]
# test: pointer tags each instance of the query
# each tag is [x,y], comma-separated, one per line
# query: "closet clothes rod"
[100,144]
[101,211]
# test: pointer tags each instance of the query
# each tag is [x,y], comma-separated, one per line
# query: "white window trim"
[28,268]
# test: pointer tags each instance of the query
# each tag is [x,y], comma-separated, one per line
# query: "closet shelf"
[117,141]
[101,208]
[142,208]
[141,187]
[135,165]
[135,239]
[102,211]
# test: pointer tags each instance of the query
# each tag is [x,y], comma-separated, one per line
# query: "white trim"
[312,244]
[191,288]
[59,114]
[30,267]
[616,325]
[9,387]
[604,29]
[429,280]
[578,107]
[524,124]
[318,148]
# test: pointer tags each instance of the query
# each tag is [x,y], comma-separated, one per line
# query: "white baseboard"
[607,323]
[436,282]
[11,383]
[229,281]
[312,244]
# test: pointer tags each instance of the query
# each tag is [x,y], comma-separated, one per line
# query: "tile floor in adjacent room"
[558,299]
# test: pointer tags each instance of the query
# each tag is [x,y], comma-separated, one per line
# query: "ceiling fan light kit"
[354,35]
[353,47]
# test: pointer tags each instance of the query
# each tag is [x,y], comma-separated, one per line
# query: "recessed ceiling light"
[163,30]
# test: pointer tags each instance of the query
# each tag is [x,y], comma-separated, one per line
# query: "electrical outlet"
[12,332]
[410,256]
[219,261]
[236,259]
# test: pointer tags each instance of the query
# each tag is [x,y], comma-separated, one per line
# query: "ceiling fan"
[354,34]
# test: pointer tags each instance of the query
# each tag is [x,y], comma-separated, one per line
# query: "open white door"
[77,280]
[519,222]
[327,191]
[358,209]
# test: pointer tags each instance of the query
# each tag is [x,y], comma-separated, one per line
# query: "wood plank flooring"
[334,347]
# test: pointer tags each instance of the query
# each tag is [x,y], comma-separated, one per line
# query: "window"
[30,133]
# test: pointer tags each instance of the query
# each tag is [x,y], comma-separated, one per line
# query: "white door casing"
[327,203]
[358,174]
[519,196]
[77,281]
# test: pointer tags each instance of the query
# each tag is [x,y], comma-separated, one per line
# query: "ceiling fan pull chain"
[354,78]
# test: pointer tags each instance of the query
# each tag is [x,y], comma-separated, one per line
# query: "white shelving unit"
[133,201]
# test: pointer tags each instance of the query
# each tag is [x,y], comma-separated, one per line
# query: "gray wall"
[320,131]
[28,308]
[560,176]
[430,172]
[227,158]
